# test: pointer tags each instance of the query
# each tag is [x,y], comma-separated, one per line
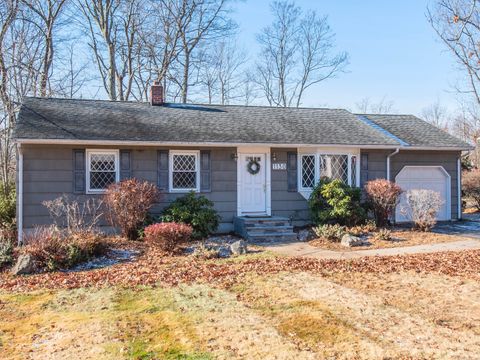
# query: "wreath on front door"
[253,166]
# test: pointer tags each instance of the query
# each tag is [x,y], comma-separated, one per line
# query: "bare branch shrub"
[128,203]
[75,217]
[422,207]
[471,186]
[53,249]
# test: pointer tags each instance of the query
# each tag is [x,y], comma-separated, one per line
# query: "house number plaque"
[279,166]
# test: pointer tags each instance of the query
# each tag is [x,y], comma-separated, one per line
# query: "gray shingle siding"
[447,159]
[286,203]
[48,173]
[377,166]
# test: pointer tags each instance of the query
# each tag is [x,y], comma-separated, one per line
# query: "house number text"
[279,166]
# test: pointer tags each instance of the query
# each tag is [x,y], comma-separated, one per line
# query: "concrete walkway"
[306,250]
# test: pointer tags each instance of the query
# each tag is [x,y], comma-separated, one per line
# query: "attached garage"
[434,178]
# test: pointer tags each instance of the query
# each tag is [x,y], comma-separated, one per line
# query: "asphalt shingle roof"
[66,119]
[415,132]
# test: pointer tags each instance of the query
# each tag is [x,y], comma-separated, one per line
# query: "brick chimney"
[156,94]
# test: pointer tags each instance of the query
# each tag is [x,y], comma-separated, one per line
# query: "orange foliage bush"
[128,203]
[383,196]
[167,236]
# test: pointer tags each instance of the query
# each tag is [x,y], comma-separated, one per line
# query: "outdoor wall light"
[234,156]
[274,156]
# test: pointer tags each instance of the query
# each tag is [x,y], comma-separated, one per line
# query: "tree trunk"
[186,70]
[111,76]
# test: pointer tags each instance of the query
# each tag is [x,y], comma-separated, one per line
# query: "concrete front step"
[272,237]
[270,229]
[264,229]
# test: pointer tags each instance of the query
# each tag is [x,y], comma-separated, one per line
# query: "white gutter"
[221,144]
[459,187]
[20,195]
[388,162]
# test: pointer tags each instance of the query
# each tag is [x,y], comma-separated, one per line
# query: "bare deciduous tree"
[457,23]
[72,75]
[296,54]
[383,106]
[203,21]
[436,114]
[113,27]
[21,44]
[466,125]
[159,35]
[220,72]
[46,16]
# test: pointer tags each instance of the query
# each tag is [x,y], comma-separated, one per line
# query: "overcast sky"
[394,53]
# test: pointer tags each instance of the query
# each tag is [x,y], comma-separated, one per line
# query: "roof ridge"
[187,104]
[377,114]
[83,99]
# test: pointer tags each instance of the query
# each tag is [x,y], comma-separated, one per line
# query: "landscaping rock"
[303,235]
[239,247]
[350,240]
[224,251]
[25,265]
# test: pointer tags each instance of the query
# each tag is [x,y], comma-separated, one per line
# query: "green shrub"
[383,234]
[330,232]
[332,201]
[196,211]
[359,230]
[6,252]
[7,209]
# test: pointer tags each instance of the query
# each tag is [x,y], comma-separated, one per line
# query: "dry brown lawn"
[285,315]
[399,238]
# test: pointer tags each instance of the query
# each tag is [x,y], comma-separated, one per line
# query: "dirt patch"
[446,301]
[96,324]
[384,329]
[400,238]
[187,322]
[233,330]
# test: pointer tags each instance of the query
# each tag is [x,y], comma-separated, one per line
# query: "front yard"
[256,306]
[400,237]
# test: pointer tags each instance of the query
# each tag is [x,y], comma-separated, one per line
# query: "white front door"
[253,185]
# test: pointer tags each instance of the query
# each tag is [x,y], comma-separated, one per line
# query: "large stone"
[224,251]
[239,247]
[25,265]
[303,235]
[350,240]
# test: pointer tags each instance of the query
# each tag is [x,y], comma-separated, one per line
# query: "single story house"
[249,160]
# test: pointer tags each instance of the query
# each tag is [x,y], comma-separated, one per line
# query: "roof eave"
[225,144]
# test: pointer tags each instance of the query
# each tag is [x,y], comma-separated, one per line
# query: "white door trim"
[268,176]
[448,195]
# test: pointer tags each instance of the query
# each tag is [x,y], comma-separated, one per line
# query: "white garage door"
[425,177]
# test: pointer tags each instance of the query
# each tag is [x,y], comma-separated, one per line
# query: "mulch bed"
[154,267]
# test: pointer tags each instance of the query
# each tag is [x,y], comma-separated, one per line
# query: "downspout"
[459,188]
[20,195]
[397,150]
